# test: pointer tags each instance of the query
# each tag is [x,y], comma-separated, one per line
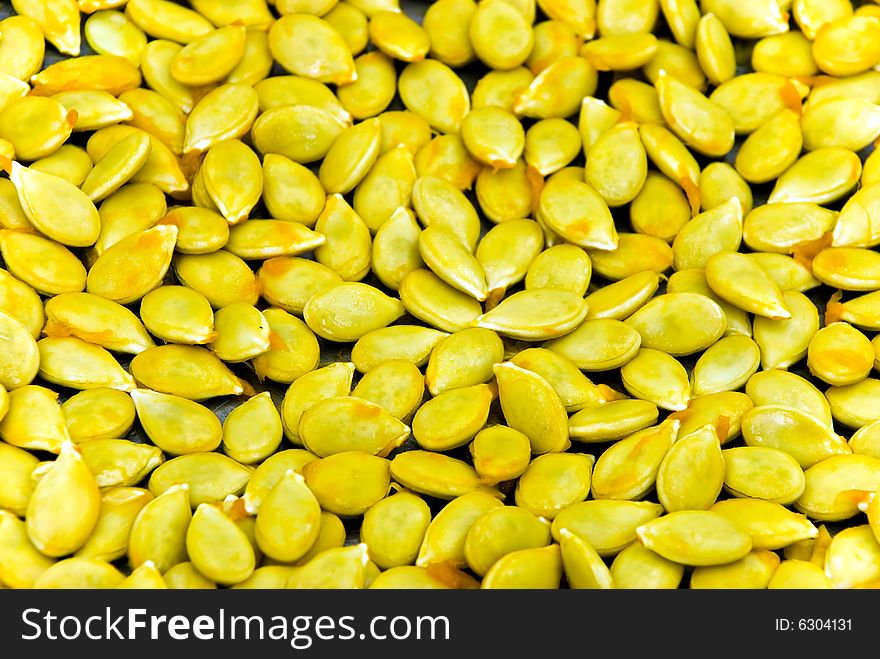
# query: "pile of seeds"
[518,294]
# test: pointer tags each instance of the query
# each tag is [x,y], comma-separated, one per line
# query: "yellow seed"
[288,519]
[430,299]
[641,568]
[781,228]
[799,434]
[598,344]
[184,576]
[218,548]
[71,362]
[811,15]
[580,16]
[673,159]
[96,320]
[293,348]
[252,431]
[303,133]
[750,19]
[847,268]
[710,408]
[108,73]
[754,570]
[177,425]
[226,112]
[445,536]
[119,508]
[324,383]
[635,252]
[553,482]
[662,320]
[69,162]
[784,342]
[403,127]
[387,186]
[500,453]
[726,365]
[437,475]
[832,486]
[146,576]
[99,413]
[450,260]
[620,52]
[657,377]
[452,418]
[20,360]
[535,314]
[771,525]
[720,182]
[781,387]
[397,385]
[660,209]
[608,525]
[678,61]
[692,472]
[64,506]
[855,225]
[840,170]
[411,342]
[715,50]
[94,109]
[394,528]
[134,266]
[351,23]
[336,568]
[278,91]
[291,192]
[558,90]
[59,21]
[161,169]
[346,423]
[80,573]
[499,532]
[463,359]
[500,88]
[839,354]
[628,469]
[577,212]
[446,157]
[16,467]
[700,123]
[110,32]
[178,314]
[789,274]
[267,475]
[119,462]
[49,124]
[759,472]
[186,371]
[629,16]
[852,405]
[695,537]
[34,420]
[210,477]
[433,91]
[221,277]
[716,230]
[324,56]
[613,420]
[332,534]
[347,311]
[367,479]
[514,49]
[23,47]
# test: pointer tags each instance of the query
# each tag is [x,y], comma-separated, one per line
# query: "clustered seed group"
[309,294]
